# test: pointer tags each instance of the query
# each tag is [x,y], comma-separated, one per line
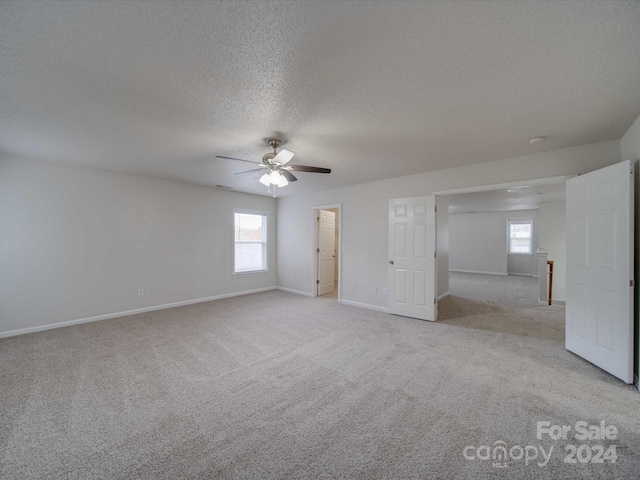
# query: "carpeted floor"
[275,385]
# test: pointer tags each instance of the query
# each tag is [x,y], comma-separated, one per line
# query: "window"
[250,242]
[521,236]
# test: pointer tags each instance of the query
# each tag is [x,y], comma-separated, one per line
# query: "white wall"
[630,150]
[478,243]
[79,242]
[364,237]
[442,244]
[630,143]
[553,238]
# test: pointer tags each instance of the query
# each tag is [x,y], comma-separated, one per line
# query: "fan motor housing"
[274,143]
[268,157]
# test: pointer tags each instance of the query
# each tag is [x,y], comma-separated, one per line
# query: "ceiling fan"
[278,171]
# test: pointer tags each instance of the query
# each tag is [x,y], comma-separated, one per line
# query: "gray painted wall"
[478,243]
[79,242]
[364,235]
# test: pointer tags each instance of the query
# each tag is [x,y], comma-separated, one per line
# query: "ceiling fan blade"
[247,171]
[283,156]
[239,159]
[288,175]
[304,168]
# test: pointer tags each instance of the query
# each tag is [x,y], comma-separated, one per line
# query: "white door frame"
[314,287]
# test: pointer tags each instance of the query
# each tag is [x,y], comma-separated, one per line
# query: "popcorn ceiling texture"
[370,89]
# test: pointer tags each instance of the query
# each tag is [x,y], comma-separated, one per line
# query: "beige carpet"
[275,385]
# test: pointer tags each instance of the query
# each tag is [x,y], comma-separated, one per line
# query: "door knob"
[390,262]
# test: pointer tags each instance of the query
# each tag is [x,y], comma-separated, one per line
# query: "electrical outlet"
[141,292]
[374,290]
[386,291]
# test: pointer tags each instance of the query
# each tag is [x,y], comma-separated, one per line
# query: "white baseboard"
[364,305]
[39,328]
[475,271]
[443,296]
[522,274]
[297,292]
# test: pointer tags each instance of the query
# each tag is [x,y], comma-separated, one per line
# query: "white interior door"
[412,262]
[326,251]
[599,308]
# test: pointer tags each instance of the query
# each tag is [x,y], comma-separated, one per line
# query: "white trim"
[476,271]
[296,292]
[500,186]
[50,326]
[364,305]
[251,272]
[443,296]
[337,206]
[515,274]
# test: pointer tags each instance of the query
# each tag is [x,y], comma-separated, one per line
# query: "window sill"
[252,272]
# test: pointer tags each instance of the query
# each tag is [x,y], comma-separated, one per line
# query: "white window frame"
[264,242]
[519,221]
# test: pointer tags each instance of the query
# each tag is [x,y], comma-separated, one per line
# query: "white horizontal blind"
[250,242]
[521,236]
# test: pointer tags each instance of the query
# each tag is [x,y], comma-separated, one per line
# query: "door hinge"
[317,219]
[435,254]
[435,301]
[317,282]
[632,283]
[317,250]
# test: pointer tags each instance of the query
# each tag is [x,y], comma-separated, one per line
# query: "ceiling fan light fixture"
[278,171]
[277,179]
[274,176]
[282,182]
[265,180]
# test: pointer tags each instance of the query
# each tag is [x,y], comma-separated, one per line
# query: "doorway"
[326,250]
[480,237]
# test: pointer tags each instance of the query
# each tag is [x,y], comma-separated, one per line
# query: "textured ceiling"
[371,90]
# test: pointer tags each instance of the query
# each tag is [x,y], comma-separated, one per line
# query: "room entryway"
[326,251]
